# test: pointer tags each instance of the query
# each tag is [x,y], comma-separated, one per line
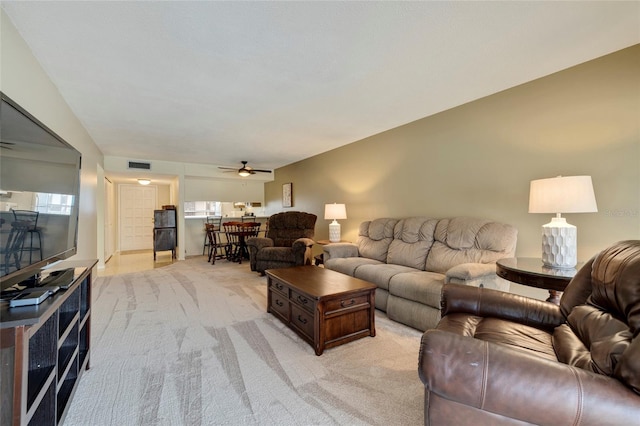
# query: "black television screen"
[39,179]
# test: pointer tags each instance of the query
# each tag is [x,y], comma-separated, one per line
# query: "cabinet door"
[164,239]
[164,218]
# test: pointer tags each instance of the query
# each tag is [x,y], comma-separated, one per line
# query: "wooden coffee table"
[326,308]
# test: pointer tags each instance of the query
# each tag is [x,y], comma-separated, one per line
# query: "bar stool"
[216,221]
[217,248]
[31,219]
[13,247]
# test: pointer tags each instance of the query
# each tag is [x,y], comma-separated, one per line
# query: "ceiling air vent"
[139,165]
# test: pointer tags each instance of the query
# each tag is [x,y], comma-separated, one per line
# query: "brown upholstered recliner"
[288,242]
[498,358]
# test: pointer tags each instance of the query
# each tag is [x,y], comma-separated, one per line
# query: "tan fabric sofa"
[410,259]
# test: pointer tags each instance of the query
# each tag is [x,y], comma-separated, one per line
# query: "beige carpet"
[192,344]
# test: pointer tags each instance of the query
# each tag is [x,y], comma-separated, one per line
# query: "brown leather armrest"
[485,302]
[520,385]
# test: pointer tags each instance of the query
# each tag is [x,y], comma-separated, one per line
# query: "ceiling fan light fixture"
[144,181]
[245,170]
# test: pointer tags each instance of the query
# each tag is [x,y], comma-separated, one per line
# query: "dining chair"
[233,240]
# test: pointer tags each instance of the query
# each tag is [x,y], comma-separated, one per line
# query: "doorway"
[136,206]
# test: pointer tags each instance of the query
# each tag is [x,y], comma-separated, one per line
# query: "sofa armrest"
[254,245]
[302,250]
[520,385]
[486,302]
[464,272]
[302,244]
[257,243]
[476,275]
[336,250]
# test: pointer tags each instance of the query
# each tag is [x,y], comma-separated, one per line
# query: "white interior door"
[137,204]
[109,220]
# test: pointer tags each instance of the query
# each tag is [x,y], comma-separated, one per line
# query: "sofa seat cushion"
[277,254]
[348,265]
[381,274]
[495,330]
[418,286]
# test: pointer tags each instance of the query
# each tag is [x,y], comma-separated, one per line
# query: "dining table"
[242,232]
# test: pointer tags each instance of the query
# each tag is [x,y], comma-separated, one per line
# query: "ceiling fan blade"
[228,168]
[262,171]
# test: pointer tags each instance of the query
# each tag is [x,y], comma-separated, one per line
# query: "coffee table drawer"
[302,320]
[279,287]
[346,303]
[280,304]
[302,300]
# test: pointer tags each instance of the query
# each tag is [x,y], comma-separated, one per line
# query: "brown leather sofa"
[498,358]
[288,242]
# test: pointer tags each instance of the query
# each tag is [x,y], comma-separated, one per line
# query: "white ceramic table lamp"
[334,211]
[562,194]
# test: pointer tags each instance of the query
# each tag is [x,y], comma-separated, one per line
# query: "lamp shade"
[335,211]
[562,194]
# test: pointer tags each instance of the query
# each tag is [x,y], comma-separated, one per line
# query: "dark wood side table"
[530,271]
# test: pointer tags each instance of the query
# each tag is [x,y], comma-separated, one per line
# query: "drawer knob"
[302,320]
[303,300]
[344,304]
[279,286]
[279,303]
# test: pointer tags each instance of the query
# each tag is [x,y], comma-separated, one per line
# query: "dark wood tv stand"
[44,350]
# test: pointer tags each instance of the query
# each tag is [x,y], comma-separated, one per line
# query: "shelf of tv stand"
[45,349]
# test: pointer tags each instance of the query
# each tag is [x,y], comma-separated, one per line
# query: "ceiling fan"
[245,170]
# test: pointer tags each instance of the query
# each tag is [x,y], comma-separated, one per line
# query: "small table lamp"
[568,194]
[334,211]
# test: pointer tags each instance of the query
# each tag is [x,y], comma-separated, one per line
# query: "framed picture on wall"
[287,192]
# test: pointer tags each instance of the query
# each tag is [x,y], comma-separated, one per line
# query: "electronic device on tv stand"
[29,298]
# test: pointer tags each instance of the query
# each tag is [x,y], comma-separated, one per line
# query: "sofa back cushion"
[412,240]
[374,237]
[464,240]
[286,227]
[607,325]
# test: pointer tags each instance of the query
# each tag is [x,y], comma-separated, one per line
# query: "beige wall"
[478,159]
[24,81]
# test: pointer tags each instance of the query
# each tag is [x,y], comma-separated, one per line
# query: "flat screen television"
[39,172]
